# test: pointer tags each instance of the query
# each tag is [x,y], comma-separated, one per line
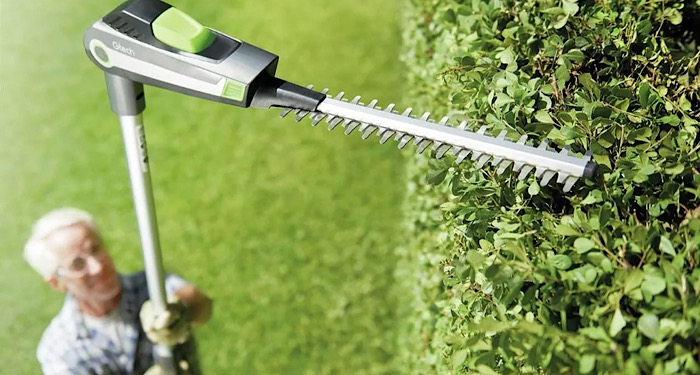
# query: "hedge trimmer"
[150,42]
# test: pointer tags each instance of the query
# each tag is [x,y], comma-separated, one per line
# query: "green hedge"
[600,280]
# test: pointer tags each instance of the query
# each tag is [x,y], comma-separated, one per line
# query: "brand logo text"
[122,49]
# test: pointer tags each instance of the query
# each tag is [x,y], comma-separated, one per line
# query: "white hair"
[37,252]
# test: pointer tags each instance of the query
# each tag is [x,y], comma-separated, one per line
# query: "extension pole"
[128,102]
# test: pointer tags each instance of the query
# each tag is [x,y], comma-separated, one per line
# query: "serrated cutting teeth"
[301,115]
[423,145]
[539,172]
[461,156]
[370,129]
[525,171]
[517,167]
[546,177]
[503,166]
[386,136]
[317,118]
[482,161]
[496,160]
[351,127]
[569,184]
[334,122]
[404,141]
[562,177]
[286,111]
[501,152]
[441,151]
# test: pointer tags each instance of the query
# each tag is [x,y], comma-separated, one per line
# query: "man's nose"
[95,266]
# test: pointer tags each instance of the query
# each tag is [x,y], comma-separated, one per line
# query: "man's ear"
[56,284]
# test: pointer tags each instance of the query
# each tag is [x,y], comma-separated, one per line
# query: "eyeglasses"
[78,267]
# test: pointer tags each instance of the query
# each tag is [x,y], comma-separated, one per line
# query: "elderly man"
[106,325]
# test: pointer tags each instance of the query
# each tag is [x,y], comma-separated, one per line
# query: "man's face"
[84,266]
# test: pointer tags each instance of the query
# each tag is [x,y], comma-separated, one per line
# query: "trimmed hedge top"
[604,279]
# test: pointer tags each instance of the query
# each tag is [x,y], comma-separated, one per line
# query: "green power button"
[178,30]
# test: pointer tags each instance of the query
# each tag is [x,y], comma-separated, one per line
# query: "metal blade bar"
[478,146]
[541,158]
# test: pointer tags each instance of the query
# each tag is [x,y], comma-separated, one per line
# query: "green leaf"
[583,245]
[562,73]
[604,214]
[560,22]
[647,170]
[566,230]
[450,281]
[685,104]
[622,93]
[475,258]
[488,325]
[596,333]
[594,196]
[675,170]
[644,92]
[644,28]
[601,260]
[653,284]
[634,280]
[667,246]
[544,117]
[607,139]
[492,271]
[673,15]
[635,119]
[553,10]
[436,176]
[575,55]
[586,274]
[459,357]
[648,325]
[589,84]
[485,370]
[586,363]
[570,7]
[506,56]
[560,261]
[534,188]
[601,112]
[502,99]
[450,16]
[617,324]
[671,120]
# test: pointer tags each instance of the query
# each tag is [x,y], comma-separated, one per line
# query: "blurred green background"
[291,229]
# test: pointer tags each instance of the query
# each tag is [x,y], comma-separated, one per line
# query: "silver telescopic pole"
[128,102]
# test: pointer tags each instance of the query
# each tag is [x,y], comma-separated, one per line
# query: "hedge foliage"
[603,279]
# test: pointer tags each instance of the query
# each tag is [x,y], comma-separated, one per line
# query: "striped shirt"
[70,346]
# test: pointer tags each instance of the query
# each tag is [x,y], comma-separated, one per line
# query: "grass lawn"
[291,229]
